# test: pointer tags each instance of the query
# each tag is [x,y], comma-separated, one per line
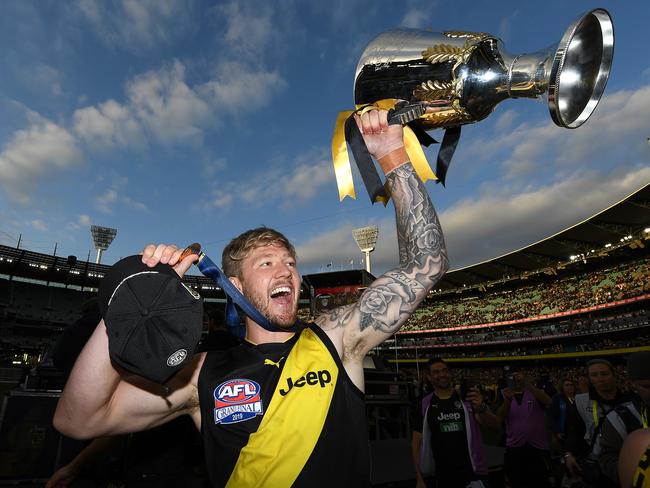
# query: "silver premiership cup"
[462,76]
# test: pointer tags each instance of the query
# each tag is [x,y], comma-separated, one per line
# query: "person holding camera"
[527,457]
[448,447]
[585,422]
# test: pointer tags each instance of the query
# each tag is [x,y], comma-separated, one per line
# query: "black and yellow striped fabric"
[641,477]
[286,414]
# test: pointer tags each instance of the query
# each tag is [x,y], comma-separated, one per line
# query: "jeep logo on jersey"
[312,378]
[236,401]
[177,358]
[449,416]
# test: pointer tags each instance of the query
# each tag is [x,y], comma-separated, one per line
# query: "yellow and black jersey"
[287,414]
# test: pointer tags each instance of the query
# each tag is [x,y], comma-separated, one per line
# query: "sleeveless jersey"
[283,414]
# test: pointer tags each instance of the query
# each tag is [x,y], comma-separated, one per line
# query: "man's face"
[602,378]
[569,388]
[519,378]
[642,387]
[440,375]
[270,281]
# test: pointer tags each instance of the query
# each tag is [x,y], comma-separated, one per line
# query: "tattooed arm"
[391,299]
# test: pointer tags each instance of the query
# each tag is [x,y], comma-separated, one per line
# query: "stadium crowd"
[571,293]
[516,333]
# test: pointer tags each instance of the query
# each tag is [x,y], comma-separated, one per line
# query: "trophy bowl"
[462,76]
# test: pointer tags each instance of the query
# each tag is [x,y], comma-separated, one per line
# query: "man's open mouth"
[282,294]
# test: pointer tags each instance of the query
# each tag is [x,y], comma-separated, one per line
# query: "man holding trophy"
[286,407]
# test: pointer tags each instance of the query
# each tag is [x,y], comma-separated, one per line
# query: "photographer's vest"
[593,415]
[627,417]
[283,414]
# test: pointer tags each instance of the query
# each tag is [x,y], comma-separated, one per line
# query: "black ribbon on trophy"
[431,80]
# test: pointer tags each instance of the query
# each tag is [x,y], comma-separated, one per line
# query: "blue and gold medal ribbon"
[341,159]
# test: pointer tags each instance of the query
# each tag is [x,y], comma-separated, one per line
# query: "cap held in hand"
[154,321]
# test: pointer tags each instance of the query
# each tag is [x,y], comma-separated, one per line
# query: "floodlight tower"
[102,237]
[366,238]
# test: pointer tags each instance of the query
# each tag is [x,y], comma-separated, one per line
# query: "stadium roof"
[629,217]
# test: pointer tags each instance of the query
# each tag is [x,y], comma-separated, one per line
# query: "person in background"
[527,457]
[447,444]
[626,417]
[584,424]
[561,403]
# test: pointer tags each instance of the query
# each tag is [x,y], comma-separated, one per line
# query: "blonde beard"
[262,307]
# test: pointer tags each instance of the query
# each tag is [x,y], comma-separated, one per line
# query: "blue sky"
[181,121]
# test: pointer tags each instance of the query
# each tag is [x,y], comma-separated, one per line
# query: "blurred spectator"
[527,457]
[583,428]
[626,417]
[561,402]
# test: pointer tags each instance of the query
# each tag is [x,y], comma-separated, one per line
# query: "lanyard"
[644,417]
[594,411]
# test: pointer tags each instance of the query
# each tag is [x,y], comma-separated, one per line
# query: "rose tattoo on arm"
[391,299]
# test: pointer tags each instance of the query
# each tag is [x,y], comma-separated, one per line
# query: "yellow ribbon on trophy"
[341,159]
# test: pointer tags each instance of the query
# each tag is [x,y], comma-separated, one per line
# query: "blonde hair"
[240,247]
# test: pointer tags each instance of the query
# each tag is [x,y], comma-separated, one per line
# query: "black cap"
[154,321]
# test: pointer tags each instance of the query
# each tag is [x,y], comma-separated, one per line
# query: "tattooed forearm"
[423,257]
[418,231]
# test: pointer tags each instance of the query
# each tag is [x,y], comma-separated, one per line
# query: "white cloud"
[138,25]
[42,77]
[115,195]
[109,124]
[218,199]
[416,18]
[33,154]
[38,224]
[501,222]
[529,153]
[82,221]
[212,168]
[288,183]
[490,225]
[250,28]
[505,120]
[134,204]
[104,203]
[238,87]
[169,108]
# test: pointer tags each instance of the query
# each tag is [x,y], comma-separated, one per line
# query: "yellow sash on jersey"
[276,454]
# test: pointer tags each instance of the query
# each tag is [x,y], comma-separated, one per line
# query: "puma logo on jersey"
[273,363]
[312,378]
